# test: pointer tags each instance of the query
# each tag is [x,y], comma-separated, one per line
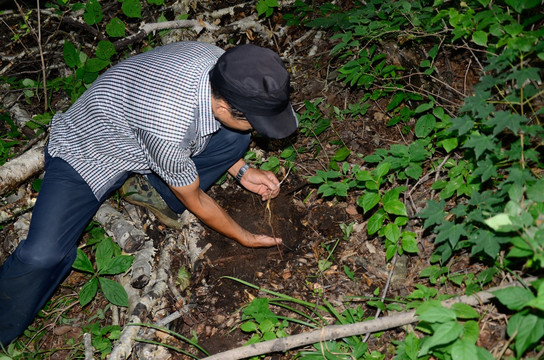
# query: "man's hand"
[253,240]
[261,182]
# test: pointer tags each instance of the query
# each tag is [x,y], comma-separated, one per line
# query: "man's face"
[222,113]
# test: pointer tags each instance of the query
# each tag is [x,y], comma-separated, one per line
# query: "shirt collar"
[208,123]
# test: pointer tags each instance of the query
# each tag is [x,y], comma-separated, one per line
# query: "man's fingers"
[265,241]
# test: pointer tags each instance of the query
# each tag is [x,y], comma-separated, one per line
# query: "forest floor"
[309,224]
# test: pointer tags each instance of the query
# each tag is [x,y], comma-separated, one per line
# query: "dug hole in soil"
[309,228]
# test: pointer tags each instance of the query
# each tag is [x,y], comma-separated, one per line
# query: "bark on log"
[20,169]
[143,265]
[10,211]
[121,230]
[340,331]
[196,25]
[141,307]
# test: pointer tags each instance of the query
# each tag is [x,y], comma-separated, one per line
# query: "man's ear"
[220,107]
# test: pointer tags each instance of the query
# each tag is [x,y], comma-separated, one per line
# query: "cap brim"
[277,126]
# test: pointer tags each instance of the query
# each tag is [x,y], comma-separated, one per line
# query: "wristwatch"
[241,172]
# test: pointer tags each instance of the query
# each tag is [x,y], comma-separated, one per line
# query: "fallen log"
[20,169]
[196,25]
[10,211]
[123,232]
[140,307]
[333,332]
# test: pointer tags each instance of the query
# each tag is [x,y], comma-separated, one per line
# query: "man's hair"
[237,114]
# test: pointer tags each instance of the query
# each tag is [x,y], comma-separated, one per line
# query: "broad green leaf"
[471,331]
[287,153]
[376,221]
[395,207]
[464,311]
[117,265]
[478,105]
[436,314]
[266,325]
[94,65]
[341,154]
[248,326]
[483,354]
[480,38]
[392,232]
[374,158]
[480,143]
[368,200]
[114,292]
[105,50]
[364,175]
[393,194]
[451,232]
[444,334]
[425,125]
[462,124]
[132,8]
[331,174]
[486,169]
[520,5]
[424,107]
[71,57]
[395,101]
[535,192]
[116,28]
[382,169]
[390,251]
[341,189]
[433,213]
[104,253]
[414,171]
[82,262]
[464,350]
[485,242]
[316,180]
[504,119]
[407,349]
[537,303]
[409,242]
[514,298]
[88,291]
[528,329]
[93,12]
[499,222]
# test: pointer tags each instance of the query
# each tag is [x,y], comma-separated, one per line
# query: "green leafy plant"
[261,322]
[526,326]
[453,334]
[103,337]
[266,7]
[109,261]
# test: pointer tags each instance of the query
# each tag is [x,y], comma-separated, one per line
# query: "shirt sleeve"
[170,160]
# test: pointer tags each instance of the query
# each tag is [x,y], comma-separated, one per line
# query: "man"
[180,115]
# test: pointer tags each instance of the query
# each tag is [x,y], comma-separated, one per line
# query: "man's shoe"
[138,191]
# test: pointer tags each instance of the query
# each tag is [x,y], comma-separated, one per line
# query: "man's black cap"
[254,80]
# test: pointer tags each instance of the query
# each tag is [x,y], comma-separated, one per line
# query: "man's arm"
[209,211]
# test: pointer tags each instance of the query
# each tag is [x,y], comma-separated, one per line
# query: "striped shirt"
[151,112]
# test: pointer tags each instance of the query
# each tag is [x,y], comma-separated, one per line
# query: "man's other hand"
[261,182]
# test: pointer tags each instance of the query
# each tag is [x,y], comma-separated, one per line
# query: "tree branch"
[340,331]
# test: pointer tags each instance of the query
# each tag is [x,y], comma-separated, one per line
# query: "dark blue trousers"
[64,207]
